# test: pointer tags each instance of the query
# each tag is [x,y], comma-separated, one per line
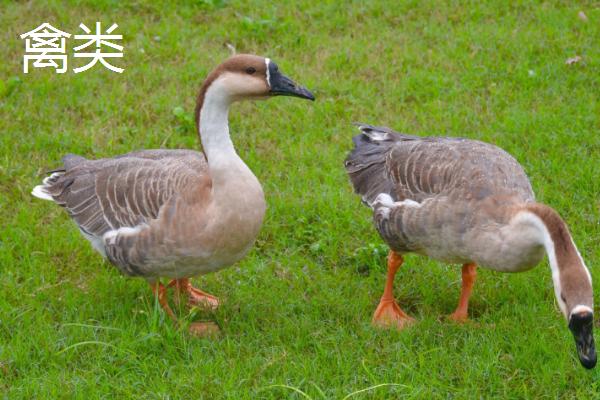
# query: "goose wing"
[458,168]
[416,184]
[126,192]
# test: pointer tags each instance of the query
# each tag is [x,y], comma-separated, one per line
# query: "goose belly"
[193,260]
[506,252]
[511,260]
[190,266]
[492,248]
[224,242]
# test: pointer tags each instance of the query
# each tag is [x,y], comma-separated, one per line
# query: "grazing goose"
[467,202]
[176,213]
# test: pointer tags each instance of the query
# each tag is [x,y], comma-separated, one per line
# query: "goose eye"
[250,70]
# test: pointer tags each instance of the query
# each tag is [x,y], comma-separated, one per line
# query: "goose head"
[573,290]
[575,300]
[574,295]
[581,324]
[571,278]
[250,77]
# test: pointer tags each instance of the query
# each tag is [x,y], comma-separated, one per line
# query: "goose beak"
[581,325]
[281,85]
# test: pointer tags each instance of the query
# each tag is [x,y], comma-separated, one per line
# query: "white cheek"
[241,85]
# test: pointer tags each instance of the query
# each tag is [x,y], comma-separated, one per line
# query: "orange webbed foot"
[202,299]
[459,317]
[196,297]
[389,315]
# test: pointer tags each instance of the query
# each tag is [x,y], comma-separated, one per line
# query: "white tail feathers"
[40,192]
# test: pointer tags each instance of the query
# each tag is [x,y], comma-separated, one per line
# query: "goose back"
[418,168]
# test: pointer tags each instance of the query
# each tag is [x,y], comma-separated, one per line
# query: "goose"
[176,213]
[466,202]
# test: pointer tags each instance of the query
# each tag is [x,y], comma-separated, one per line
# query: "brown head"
[246,76]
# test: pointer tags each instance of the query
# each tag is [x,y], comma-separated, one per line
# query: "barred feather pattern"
[442,190]
[126,197]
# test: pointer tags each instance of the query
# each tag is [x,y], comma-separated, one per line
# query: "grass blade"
[373,388]
[73,346]
[290,388]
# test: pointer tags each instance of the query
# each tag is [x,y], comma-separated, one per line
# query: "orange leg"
[196,297]
[469,272]
[388,313]
[160,291]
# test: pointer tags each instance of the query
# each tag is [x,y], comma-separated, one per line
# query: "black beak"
[581,325]
[281,85]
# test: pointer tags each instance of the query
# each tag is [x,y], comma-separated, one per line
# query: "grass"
[296,311]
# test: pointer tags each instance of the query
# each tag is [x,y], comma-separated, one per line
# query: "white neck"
[524,221]
[543,237]
[213,125]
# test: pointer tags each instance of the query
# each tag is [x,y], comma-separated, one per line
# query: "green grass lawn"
[296,312]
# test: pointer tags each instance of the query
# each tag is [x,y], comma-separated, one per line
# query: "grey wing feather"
[126,191]
[366,163]
[436,170]
[454,167]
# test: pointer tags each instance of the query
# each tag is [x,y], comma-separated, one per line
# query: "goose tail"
[366,163]
[46,190]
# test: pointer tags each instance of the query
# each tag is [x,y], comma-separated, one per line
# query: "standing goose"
[176,213]
[468,202]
